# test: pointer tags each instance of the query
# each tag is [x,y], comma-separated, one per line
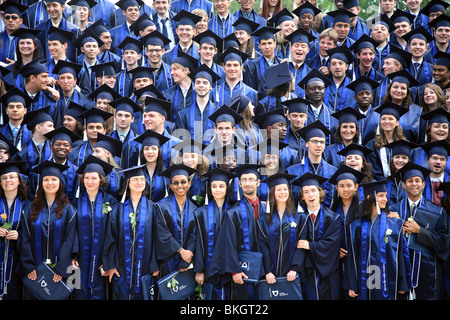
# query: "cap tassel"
[77,194]
[267,206]
[124,194]
[206,195]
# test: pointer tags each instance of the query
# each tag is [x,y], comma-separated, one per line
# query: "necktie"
[324,62]
[416,68]
[413,208]
[164,28]
[313,217]
[185,50]
[316,112]
[437,195]
[122,137]
[15,130]
[255,209]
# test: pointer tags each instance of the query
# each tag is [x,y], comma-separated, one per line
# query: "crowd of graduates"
[140,139]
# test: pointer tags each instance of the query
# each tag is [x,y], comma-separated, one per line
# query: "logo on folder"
[244,265]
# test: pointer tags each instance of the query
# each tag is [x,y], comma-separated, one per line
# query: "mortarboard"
[297,105]
[442,59]
[7,144]
[403,76]
[75,111]
[49,168]
[13,7]
[125,104]
[204,72]
[306,7]
[309,179]
[230,41]
[190,146]
[61,35]
[133,171]
[444,186]
[345,172]
[418,33]
[233,54]
[185,60]
[130,43]
[438,115]
[278,75]
[184,18]
[64,66]
[88,36]
[402,56]
[381,19]
[112,145]
[141,23]
[218,174]
[265,33]
[83,3]
[434,6]
[270,146]
[280,17]
[15,95]
[155,38]
[342,53]
[141,72]
[98,27]
[348,4]
[157,105]
[439,147]
[355,149]
[364,42]
[95,115]
[363,83]
[124,4]
[300,35]
[209,37]
[25,33]
[391,108]
[35,117]
[94,164]
[34,68]
[341,15]
[225,113]
[348,115]
[411,169]
[402,16]
[279,178]
[374,187]
[314,130]
[178,170]
[62,133]
[314,75]
[441,21]
[12,166]
[267,119]
[3,72]
[248,168]
[151,138]
[61,2]
[104,92]
[401,147]
[104,69]
[245,24]
[150,90]
[238,102]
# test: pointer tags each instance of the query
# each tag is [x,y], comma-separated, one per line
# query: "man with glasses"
[12,19]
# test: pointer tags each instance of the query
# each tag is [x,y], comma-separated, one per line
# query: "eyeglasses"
[154,50]
[251,180]
[136,180]
[314,141]
[182,182]
[9,178]
[10,17]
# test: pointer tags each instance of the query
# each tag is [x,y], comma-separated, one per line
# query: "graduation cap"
[297,105]
[104,92]
[309,179]
[438,115]
[124,4]
[267,119]
[151,138]
[381,19]
[224,151]
[133,171]
[35,117]
[418,33]
[374,187]
[265,33]
[95,115]
[64,66]
[184,18]
[280,17]
[155,38]
[279,178]
[403,76]
[15,95]
[7,144]
[278,75]
[83,3]
[401,147]
[402,56]
[345,172]
[248,168]
[11,166]
[314,130]
[34,68]
[444,186]
[3,72]
[104,69]
[150,90]
[230,41]
[125,104]
[364,42]
[342,53]
[185,60]
[314,75]
[75,111]
[363,83]
[26,33]
[190,146]
[98,27]
[209,37]
[141,72]
[348,4]
[238,102]
[411,169]
[61,2]
[88,35]
[270,146]
[306,7]
[112,145]
[178,170]
[300,35]
[158,105]
[233,54]
[391,108]
[355,149]
[61,35]
[341,15]
[130,43]
[141,23]
[62,133]
[441,21]
[402,16]
[442,59]
[246,25]
[94,164]
[348,115]
[225,113]
[204,72]
[434,6]
[13,7]
[218,174]
[440,147]
[49,168]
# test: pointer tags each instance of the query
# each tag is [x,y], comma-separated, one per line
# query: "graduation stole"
[91,247]
[415,72]
[38,237]
[130,244]
[38,12]
[6,259]
[22,133]
[338,103]
[211,224]
[113,183]
[158,185]
[209,123]
[184,219]
[228,25]
[175,102]
[82,152]
[30,153]
[253,132]
[272,240]
[244,217]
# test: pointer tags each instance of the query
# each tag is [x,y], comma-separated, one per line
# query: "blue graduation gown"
[92,226]
[375,159]
[132,251]
[270,103]
[248,137]
[423,74]
[8,46]
[372,74]
[380,55]
[368,125]
[325,117]
[222,29]
[126,146]
[104,9]
[42,100]
[428,189]
[253,74]
[174,230]
[320,274]
[410,123]
[331,156]
[118,34]
[178,5]
[419,156]
[221,94]
[252,15]
[157,186]
[370,247]
[32,156]
[22,137]
[395,190]
[162,80]
[337,98]
[427,269]
[299,74]
[62,106]
[80,153]
[174,94]
[190,117]
[110,56]
[124,84]
[170,55]
[59,249]
[119,18]
[295,142]
[115,182]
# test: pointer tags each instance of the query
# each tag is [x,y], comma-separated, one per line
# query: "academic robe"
[118,34]
[368,125]
[283,51]
[157,186]
[198,188]
[80,153]
[221,94]
[42,100]
[162,79]
[287,155]
[427,268]
[175,95]
[32,155]
[330,154]
[381,244]
[380,55]
[9,44]
[11,277]
[44,229]
[410,123]
[339,97]
[419,156]
[126,145]
[301,72]
[209,221]
[381,91]
[115,182]
[20,139]
[270,103]
[239,232]
[110,56]
[253,74]
[248,137]
[423,72]
[251,15]
[92,225]
[320,276]
[295,142]
[174,230]
[119,17]
[171,24]
[428,190]
[315,61]
[124,84]
[379,159]
[325,117]
[222,29]
[395,190]
[178,5]
[104,9]
[62,105]
[372,74]
[131,250]
[170,55]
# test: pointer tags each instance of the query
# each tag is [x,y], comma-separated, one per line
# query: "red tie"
[296,67]
[313,216]
[255,209]
[437,195]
